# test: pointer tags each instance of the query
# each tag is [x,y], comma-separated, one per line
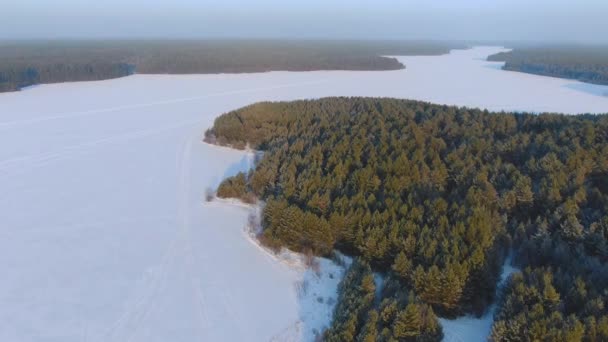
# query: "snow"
[315,284]
[469,328]
[106,236]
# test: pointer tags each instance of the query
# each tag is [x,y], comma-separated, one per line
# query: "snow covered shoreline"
[316,285]
[317,279]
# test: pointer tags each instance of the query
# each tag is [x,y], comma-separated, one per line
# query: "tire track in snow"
[41,159]
[131,324]
[183,158]
[58,116]
[184,215]
[292,333]
[138,308]
[6,233]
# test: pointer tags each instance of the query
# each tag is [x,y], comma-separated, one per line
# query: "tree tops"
[433,196]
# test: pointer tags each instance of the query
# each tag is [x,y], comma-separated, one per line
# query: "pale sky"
[539,20]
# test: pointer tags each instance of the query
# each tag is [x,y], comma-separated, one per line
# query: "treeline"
[27,63]
[19,75]
[24,64]
[583,63]
[433,197]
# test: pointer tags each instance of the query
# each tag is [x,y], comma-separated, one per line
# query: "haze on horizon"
[498,20]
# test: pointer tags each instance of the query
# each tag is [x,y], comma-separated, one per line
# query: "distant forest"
[584,63]
[27,63]
[434,197]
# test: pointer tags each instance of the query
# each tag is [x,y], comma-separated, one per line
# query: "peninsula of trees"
[583,63]
[27,63]
[434,197]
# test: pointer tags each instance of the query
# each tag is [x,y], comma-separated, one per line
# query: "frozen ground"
[104,234]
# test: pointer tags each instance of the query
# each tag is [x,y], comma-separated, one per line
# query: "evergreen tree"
[407,323]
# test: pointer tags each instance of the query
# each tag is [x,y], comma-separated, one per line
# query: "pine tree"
[451,288]
[369,331]
[402,266]
[550,294]
[407,323]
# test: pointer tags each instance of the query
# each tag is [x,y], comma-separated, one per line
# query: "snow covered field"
[104,232]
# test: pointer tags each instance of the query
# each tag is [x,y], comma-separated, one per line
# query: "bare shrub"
[209,137]
[249,198]
[252,219]
[311,262]
[309,257]
[209,195]
[259,155]
[316,267]
[337,259]
[253,225]
[239,145]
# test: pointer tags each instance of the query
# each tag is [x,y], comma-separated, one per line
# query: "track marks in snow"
[292,333]
[74,226]
[42,159]
[145,294]
[184,202]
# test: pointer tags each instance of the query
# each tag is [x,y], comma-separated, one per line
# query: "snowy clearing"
[105,235]
[469,328]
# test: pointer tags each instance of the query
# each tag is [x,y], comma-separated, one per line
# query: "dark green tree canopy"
[584,63]
[433,197]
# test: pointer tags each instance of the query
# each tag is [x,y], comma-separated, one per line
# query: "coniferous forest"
[434,197]
[24,64]
[583,63]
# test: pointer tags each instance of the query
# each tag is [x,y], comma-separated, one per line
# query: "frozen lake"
[104,234]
